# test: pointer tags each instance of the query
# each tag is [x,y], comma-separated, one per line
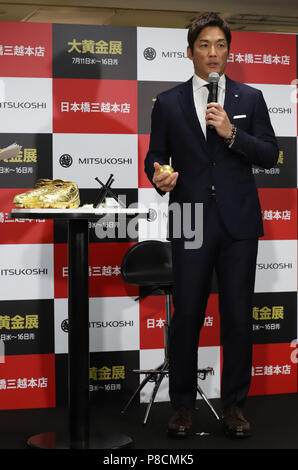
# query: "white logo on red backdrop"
[26,49]
[100,106]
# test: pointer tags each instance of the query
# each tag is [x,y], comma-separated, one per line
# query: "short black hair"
[203,21]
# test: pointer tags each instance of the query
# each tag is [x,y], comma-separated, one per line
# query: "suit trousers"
[235,264]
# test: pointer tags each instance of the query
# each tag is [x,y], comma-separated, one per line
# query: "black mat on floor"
[273,418]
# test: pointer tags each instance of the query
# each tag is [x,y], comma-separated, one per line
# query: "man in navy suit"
[212,148]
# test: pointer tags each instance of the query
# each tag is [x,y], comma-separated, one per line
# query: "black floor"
[274,421]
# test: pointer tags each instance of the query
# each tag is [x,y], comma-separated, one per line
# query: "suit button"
[213,163]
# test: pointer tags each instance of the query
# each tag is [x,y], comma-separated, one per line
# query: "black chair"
[148,264]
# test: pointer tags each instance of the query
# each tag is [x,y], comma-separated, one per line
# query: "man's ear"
[189,53]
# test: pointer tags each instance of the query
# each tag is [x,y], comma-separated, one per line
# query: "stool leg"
[149,376]
[207,401]
[159,371]
[167,324]
[165,365]
[155,390]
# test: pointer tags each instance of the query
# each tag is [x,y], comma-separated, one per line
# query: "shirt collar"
[198,82]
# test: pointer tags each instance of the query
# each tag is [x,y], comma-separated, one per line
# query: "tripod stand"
[158,374]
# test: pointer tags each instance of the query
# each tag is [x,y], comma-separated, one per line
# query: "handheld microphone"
[213,88]
[213,79]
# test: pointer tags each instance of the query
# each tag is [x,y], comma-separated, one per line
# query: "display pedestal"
[78,333]
[52,440]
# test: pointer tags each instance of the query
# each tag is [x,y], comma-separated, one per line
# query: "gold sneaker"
[55,194]
[62,195]
[29,199]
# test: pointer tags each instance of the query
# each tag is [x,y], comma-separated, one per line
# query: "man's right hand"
[164,181]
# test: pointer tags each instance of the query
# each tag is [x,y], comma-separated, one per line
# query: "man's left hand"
[218,118]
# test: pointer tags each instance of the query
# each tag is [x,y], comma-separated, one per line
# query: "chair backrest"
[148,263]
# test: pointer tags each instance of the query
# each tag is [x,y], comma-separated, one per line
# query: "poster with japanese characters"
[78,100]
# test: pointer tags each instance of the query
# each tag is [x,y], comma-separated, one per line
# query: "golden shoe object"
[29,199]
[54,194]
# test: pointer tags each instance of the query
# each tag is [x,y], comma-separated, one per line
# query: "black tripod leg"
[207,401]
[149,376]
[155,390]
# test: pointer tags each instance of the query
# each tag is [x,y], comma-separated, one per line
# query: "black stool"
[148,264]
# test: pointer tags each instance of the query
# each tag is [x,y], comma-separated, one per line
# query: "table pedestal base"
[53,440]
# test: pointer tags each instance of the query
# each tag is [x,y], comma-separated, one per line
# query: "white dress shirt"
[200,94]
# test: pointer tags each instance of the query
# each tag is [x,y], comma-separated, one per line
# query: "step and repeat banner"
[78,99]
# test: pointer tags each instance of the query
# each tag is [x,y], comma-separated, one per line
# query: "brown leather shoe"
[235,424]
[180,424]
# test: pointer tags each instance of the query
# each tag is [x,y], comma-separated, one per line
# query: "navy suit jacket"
[176,132]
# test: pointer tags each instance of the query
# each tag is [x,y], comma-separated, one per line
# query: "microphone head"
[213,77]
